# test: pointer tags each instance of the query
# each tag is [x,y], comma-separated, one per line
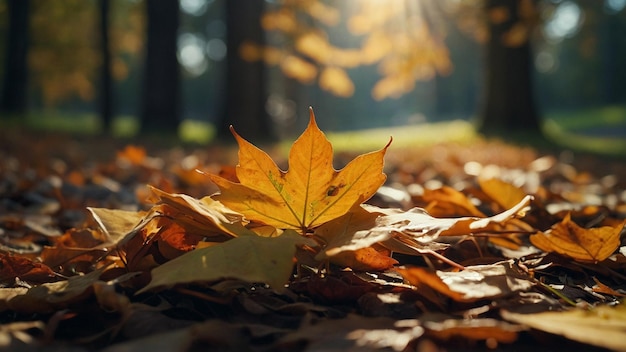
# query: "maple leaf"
[587,245]
[310,193]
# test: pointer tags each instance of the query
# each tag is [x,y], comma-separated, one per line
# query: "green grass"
[592,130]
[404,136]
[568,129]
[612,115]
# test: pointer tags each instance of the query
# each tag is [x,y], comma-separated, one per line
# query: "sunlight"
[565,22]
[194,7]
[216,49]
[191,54]
[614,6]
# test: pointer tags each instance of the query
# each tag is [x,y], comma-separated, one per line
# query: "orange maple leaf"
[310,193]
[586,245]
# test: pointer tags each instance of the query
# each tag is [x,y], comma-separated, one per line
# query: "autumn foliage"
[379,266]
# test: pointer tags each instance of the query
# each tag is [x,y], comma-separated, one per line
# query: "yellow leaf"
[336,81]
[505,194]
[315,46]
[310,193]
[282,20]
[602,326]
[299,69]
[587,245]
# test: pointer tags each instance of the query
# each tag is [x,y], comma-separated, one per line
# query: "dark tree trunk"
[106,89]
[246,92]
[160,105]
[14,88]
[508,104]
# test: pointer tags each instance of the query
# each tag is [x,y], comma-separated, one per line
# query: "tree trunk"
[14,88]
[508,104]
[160,106]
[106,89]
[246,91]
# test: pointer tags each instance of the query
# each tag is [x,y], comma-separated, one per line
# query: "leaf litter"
[450,246]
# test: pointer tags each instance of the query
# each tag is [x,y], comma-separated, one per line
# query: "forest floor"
[63,288]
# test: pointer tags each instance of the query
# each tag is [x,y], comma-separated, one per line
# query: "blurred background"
[194,67]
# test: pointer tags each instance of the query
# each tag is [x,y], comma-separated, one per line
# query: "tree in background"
[406,40]
[106,79]
[246,85]
[14,87]
[403,38]
[508,102]
[160,103]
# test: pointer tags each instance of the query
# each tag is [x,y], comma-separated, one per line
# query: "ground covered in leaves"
[111,245]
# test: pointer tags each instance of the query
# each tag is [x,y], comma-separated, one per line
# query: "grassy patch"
[599,130]
[404,136]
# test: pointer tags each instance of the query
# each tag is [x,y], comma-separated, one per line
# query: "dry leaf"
[587,245]
[364,259]
[250,258]
[447,201]
[503,193]
[444,328]
[474,283]
[602,326]
[355,333]
[310,193]
[411,232]
[16,267]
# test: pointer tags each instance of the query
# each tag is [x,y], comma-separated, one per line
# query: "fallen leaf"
[116,223]
[13,336]
[602,326]
[132,154]
[310,193]
[354,333]
[599,287]
[587,245]
[503,193]
[413,231]
[15,267]
[447,201]
[492,330]
[474,283]
[364,259]
[49,297]
[204,215]
[249,258]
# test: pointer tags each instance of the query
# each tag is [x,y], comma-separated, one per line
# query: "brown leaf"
[587,245]
[364,259]
[354,333]
[491,330]
[14,267]
[474,283]
[602,326]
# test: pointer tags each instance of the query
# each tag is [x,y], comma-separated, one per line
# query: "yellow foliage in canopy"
[336,81]
[406,48]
